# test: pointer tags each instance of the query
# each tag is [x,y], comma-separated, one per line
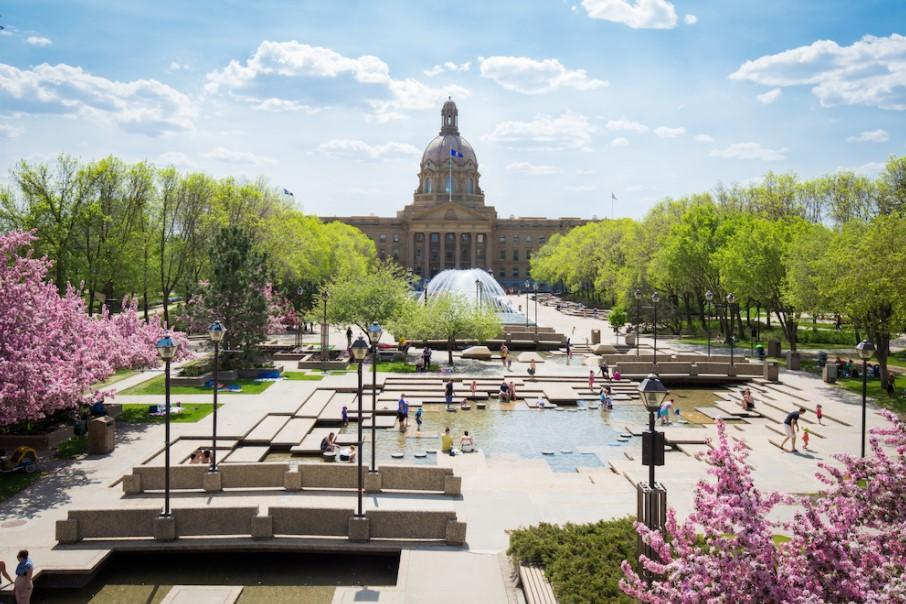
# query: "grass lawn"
[121,374]
[301,376]
[13,482]
[896,403]
[156,386]
[897,359]
[137,413]
[72,448]
[402,367]
[743,344]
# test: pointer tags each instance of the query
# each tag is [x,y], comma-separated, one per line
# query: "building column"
[456,245]
[443,250]
[489,251]
[474,242]
[410,253]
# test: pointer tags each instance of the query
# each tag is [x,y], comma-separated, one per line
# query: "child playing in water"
[591,380]
[418,419]
[805,437]
[474,388]
[819,411]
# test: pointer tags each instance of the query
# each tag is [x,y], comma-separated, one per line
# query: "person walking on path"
[24,571]
[819,411]
[349,337]
[791,425]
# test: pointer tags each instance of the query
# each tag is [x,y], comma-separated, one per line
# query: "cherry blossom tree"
[847,541]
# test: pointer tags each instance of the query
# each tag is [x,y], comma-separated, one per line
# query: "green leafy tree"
[446,317]
[235,296]
[863,273]
[379,295]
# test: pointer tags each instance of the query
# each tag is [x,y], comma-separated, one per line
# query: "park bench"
[535,586]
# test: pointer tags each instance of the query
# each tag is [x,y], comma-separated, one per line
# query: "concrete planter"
[40,442]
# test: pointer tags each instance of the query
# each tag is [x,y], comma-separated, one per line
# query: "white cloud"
[448,66]
[619,142]
[769,97]
[357,149]
[690,19]
[146,106]
[870,136]
[528,76]
[638,14]
[567,131]
[627,125]
[7,131]
[274,104]
[274,67]
[580,188]
[870,72]
[750,151]
[177,159]
[38,41]
[635,188]
[704,138]
[524,167]
[871,168]
[665,132]
[177,66]
[231,156]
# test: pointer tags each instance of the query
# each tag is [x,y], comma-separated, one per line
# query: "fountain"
[487,292]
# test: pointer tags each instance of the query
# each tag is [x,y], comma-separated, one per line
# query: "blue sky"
[564,102]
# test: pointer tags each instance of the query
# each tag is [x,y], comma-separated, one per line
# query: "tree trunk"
[166,309]
[450,351]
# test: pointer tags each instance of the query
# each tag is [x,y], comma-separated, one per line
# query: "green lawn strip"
[137,413]
[402,367]
[13,482]
[779,539]
[897,402]
[156,386]
[897,359]
[582,561]
[301,376]
[121,374]
[72,448]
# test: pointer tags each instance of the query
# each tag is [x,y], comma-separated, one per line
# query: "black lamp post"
[166,349]
[652,497]
[638,318]
[325,330]
[866,349]
[655,298]
[299,329]
[216,330]
[709,296]
[731,300]
[374,334]
[527,284]
[535,289]
[359,352]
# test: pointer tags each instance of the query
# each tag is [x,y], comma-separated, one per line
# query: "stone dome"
[439,179]
[438,151]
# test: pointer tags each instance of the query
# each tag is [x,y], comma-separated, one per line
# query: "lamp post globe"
[709,296]
[166,350]
[866,349]
[216,331]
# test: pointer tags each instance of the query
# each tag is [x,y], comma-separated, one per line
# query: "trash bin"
[595,336]
[792,360]
[773,348]
[101,435]
[829,373]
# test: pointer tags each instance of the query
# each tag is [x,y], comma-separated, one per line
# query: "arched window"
[449,185]
[428,185]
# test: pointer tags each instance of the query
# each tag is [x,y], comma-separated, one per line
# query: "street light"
[731,300]
[655,298]
[652,497]
[535,289]
[866,349]
[374,334]
[216,330]
[709,296]
[638,319]
[166,349]
[325,331]
[527,284]
[299,328]
[359,352]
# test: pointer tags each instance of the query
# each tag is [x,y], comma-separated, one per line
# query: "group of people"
[423,363]
[466,443]
[329,445]
[200,456]
[22,584]
[507,391]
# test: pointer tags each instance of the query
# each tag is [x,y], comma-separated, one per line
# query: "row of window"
[449,185]
[479,237]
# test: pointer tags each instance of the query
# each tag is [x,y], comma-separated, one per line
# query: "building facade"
[448,225]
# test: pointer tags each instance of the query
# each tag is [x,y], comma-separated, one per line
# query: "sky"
[566,103]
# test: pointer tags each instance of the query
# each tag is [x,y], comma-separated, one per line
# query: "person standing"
[402,412]
[348,337]
[504,353]
[426,357]
[569,348]
[591,379]
[448,393]
[418,419]
[791,425]
[3,572]
[533,368]
[24,571]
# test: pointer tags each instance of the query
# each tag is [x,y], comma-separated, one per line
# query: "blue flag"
[288,192]
[452,152]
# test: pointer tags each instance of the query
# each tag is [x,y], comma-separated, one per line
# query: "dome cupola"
[449,168]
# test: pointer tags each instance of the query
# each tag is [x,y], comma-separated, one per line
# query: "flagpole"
[450,184]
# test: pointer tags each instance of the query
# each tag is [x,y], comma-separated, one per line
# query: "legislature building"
[448,225]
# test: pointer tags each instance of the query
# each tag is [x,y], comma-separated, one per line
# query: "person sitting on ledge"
[466,443]
[504,392]
[446,442]
[347,453]
[328,443]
